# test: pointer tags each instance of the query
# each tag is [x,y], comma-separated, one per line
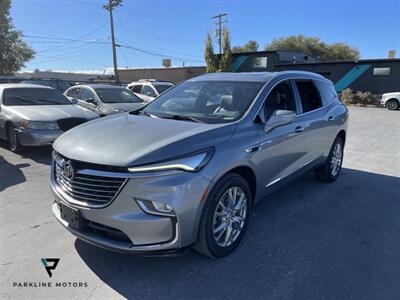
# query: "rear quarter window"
[326,91]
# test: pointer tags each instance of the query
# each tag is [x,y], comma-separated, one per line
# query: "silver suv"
[188,168]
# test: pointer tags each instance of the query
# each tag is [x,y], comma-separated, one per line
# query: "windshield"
[161,88]
[117,95]
[33,96]
[60,85]
[207,101]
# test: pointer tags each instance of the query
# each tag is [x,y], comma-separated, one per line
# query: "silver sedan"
[33,115]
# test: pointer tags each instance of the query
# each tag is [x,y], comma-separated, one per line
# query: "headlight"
[189,163]
[39,125]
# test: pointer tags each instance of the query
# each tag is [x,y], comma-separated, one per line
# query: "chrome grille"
[87,190]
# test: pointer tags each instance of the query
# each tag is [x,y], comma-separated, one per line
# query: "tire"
[216,243]
[392,104]
[330,171]
[13,140]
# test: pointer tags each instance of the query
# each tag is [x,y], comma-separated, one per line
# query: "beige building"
[174,74]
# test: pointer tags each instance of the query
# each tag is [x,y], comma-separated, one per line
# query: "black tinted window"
[86,94]
[161,88]
[136,88]
[309,95]
[280,98]
[327,92]
[147,90]
[74,92]
[33,96]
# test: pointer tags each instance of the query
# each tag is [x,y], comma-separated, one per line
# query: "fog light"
[155,207]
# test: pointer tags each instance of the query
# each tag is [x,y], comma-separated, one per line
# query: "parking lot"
[308,240]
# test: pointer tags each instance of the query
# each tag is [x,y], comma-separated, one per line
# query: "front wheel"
[13,140]
[225,217]
[392,105]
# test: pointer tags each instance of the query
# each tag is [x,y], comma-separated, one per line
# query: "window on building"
[381,71]
[309,95]
[258,62]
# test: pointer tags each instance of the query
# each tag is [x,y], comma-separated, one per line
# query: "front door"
[282,148]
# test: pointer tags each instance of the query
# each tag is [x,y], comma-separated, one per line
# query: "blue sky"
[75,35]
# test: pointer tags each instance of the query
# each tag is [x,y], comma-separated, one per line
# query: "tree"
[226,57]
[209,56]
[14,52]
[250,46]
[315,47]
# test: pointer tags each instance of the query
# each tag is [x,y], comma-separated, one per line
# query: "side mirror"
[90,101]
[150,94]
[279,118]
[74,100]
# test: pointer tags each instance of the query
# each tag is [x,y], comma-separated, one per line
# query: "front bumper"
[37,137]
[142,232]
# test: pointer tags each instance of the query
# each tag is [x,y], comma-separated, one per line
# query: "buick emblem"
[68,170]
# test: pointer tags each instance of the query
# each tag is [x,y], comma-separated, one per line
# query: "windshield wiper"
[183,118]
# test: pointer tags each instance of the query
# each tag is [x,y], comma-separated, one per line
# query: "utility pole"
[220,30]
[110,6]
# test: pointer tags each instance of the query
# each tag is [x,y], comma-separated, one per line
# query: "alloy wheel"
[12,139]
[392,105]
[336,160]
[229,216]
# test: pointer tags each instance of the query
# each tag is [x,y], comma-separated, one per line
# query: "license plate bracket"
[71,216]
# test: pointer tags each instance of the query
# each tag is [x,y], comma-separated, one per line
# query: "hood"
[52,112]
[391,94]
[125,106]
[128,140]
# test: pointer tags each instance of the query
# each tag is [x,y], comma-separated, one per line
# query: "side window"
[309,95]
[74,93]
[86,94]
[148,90]
[280,98]
[136,88]
[326,91]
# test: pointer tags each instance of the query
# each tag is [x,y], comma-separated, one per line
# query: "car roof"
[23,86]
[98,86]
[254,76]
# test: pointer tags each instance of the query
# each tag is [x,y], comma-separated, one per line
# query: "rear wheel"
[393,104]
[329,172]
[13,141]
[225,217]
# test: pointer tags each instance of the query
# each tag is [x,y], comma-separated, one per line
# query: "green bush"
[364,98]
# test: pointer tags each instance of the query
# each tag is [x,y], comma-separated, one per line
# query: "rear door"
[314,118]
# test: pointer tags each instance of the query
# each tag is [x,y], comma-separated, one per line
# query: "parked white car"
[391,100]
[149,89]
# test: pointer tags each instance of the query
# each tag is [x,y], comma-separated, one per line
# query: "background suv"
[188,168]
[148,89]
[391,101]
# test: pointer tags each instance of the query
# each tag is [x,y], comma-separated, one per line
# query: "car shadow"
[307,240]
[41,155]
[10,174]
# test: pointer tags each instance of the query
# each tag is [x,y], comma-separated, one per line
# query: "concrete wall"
[173,74]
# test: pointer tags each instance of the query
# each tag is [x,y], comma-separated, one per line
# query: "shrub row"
[364,98]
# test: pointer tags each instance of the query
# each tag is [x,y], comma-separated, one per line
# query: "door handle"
[299,129]
[330,118]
